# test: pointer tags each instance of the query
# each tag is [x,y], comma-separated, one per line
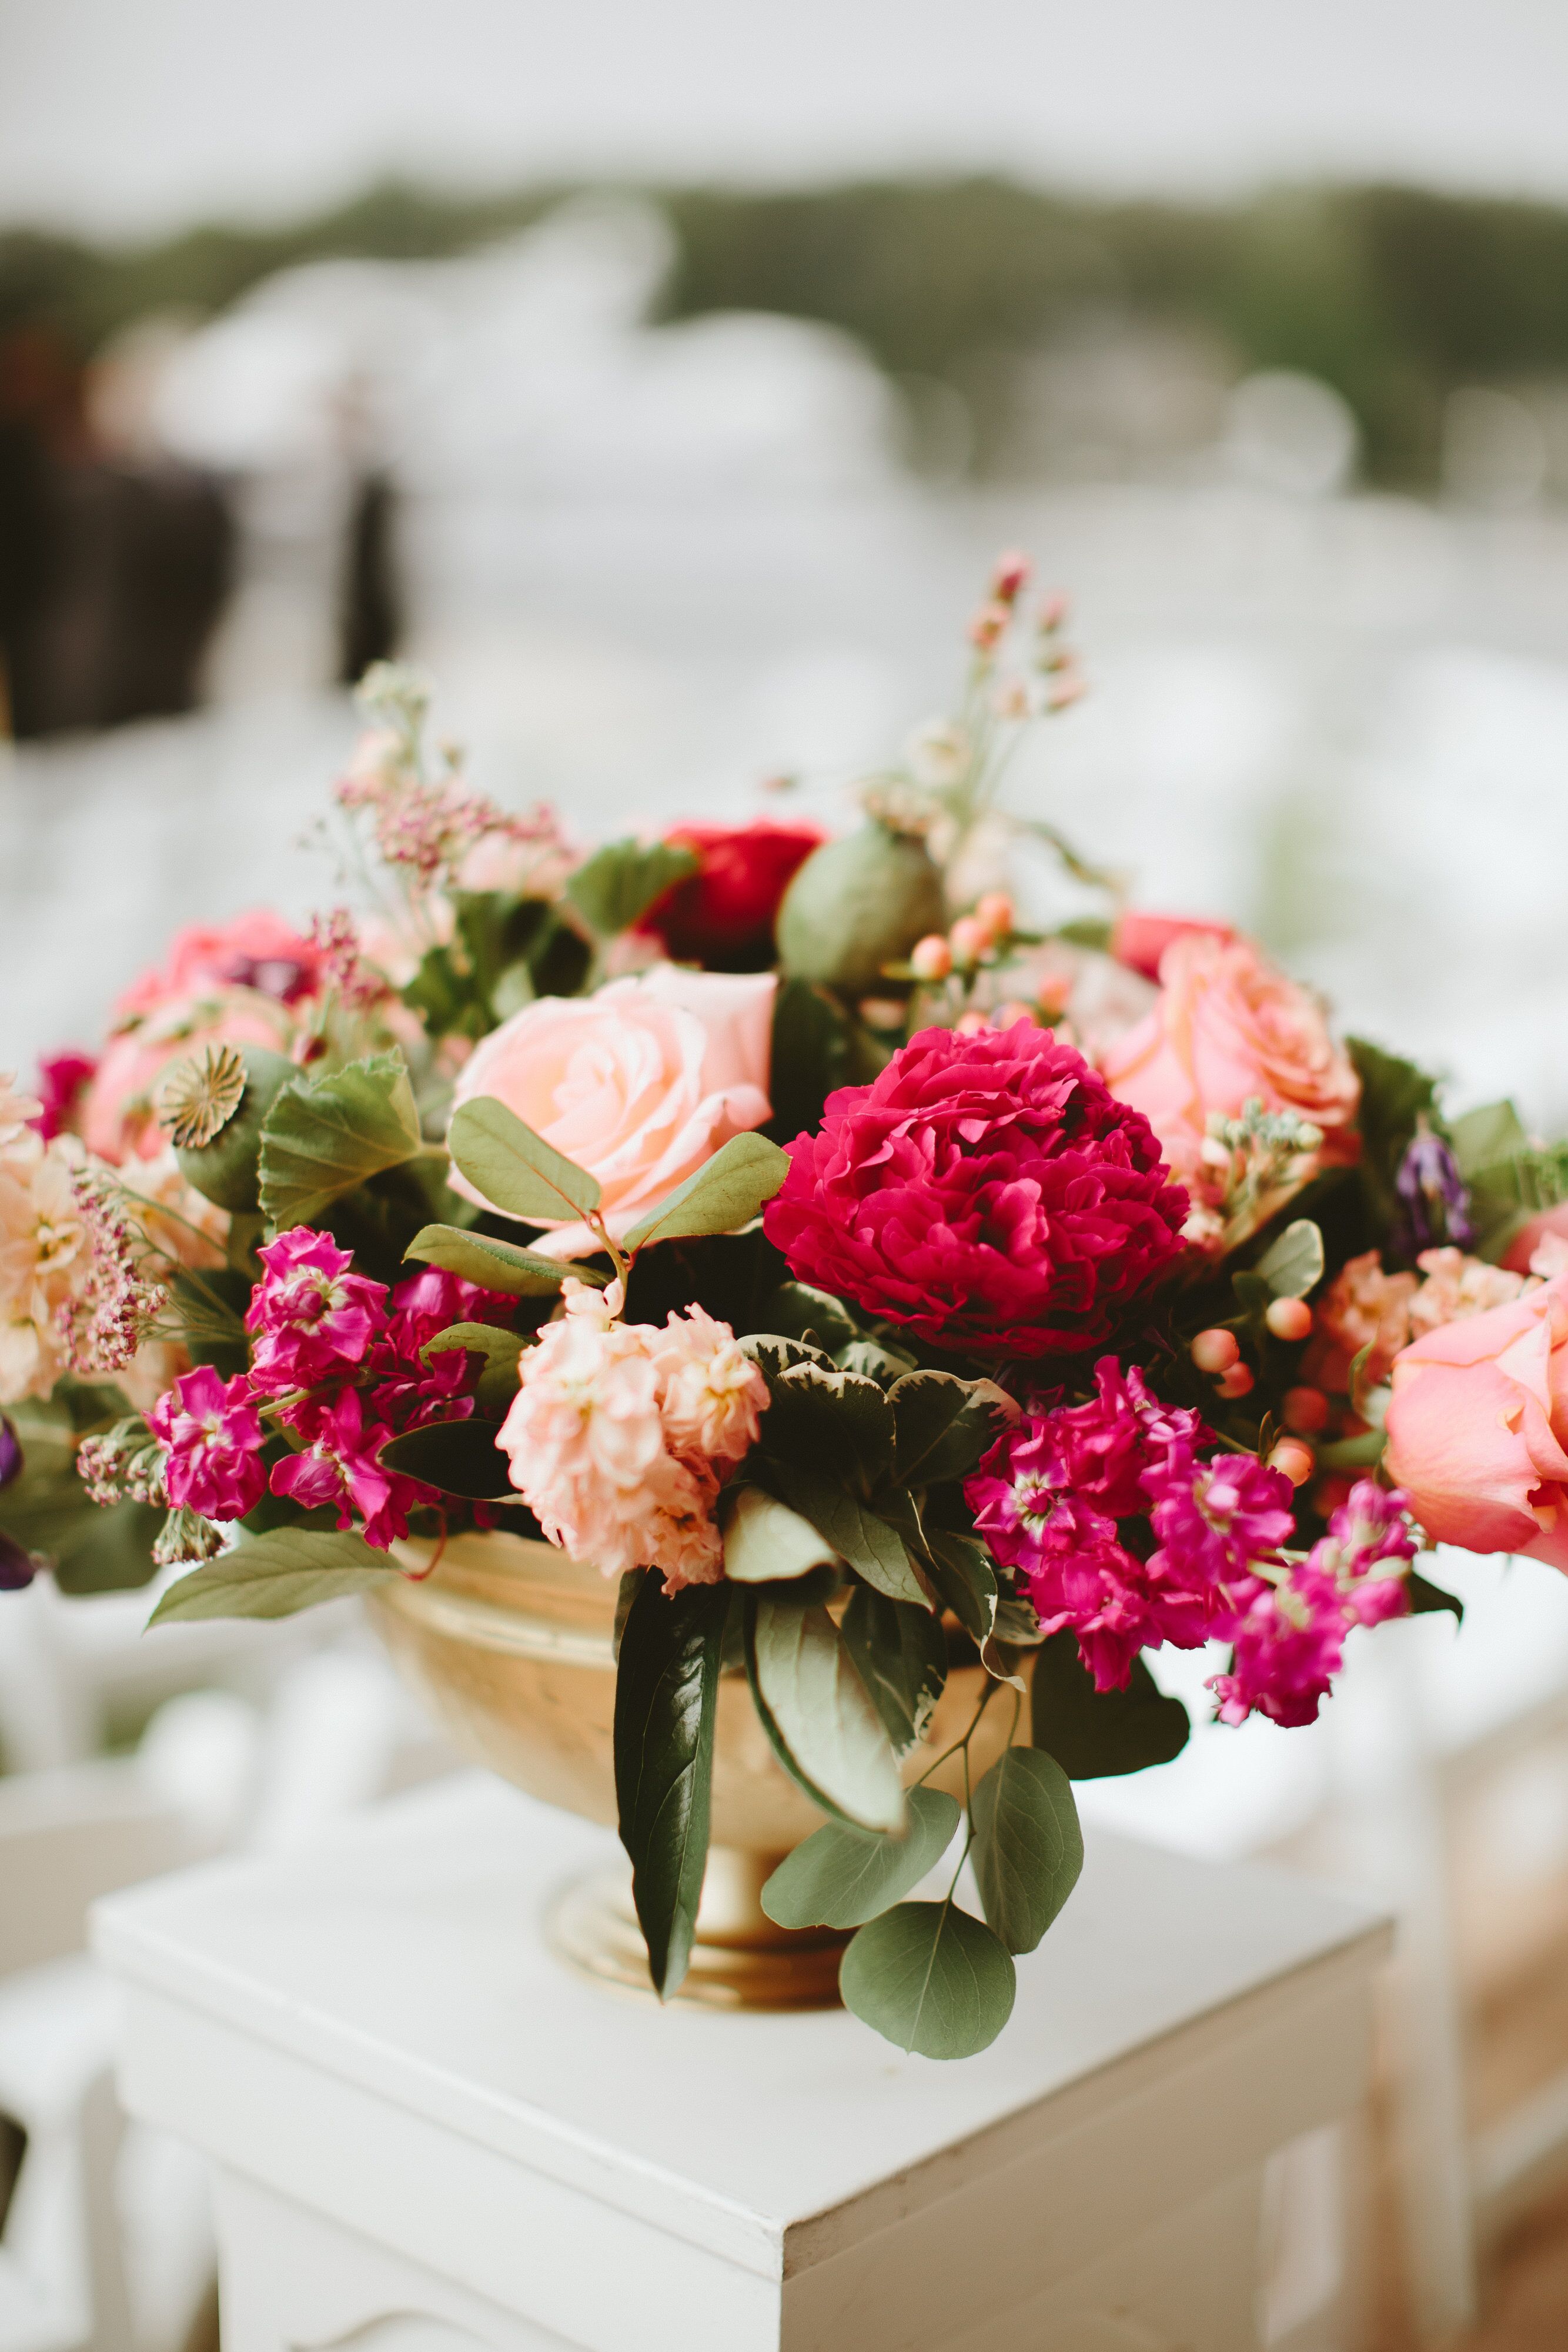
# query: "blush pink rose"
[119,1111]
[1476,1424]
[639,1084]
[1229,1026]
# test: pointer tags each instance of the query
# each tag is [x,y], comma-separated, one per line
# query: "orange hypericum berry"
[1215,1350]
[1288,1318]
[1294,1459]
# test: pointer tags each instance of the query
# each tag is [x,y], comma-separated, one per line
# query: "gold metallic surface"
[509,1643]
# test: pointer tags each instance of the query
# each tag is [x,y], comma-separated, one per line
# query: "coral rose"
[257,951]
[988,1191]
[640,1083]
[1548,1228]
[722,916]
[1476,1424]
[1139,939]
[1230,1027]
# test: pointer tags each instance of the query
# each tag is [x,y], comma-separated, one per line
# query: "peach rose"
[640,1083]
[119,1109]
[1229,1026]
[1543,1237]
[1476,1426]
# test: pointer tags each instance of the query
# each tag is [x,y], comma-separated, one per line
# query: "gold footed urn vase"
[510,1643]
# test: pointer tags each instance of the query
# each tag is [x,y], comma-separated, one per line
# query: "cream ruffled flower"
[609,1436]
[46,1254]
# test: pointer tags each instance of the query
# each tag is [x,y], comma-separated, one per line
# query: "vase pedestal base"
[741,1957]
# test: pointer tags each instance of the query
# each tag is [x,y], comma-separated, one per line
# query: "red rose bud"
[1010,576]
[988,1191]
[722,916]
[1140,941]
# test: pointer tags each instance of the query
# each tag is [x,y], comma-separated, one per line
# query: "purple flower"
[11,1463]
[18,1568]
[214,1434]
[312,1316]
[1434,1199]
[339,1469]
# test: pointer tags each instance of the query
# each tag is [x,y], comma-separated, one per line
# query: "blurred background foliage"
[1393,296]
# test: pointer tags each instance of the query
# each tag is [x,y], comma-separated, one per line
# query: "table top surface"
[404,1953]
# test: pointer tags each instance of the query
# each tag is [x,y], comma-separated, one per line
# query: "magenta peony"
[988,1191]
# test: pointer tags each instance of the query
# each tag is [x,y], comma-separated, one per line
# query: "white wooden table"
[429,2134]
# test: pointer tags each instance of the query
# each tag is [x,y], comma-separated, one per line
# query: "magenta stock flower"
[214,1434]
[312,1316]
[339,1469]
[988,1191]
[1213,1520]
[1290,1637]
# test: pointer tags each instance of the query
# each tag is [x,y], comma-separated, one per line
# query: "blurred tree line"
[1393,296]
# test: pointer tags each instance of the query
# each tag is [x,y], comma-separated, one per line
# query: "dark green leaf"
[516,1170]
[495,1265]
[1394,1094]
[819,1717]
[109,1551]
[1095,1734]
[622,880]
[1294,1264]
[902,1658]
[764,1541]
[460,1457]
[726,1194]
[775,1355]
[873,1363]
[842,1877]
[1028,1847]
[666,1697]
[276,1575]
[796,1309]
[837,1424]
[945,1424]
[1017,1622]
[965,1579]
[812,1053]
[476,1340]
[1426,1599]
[931,1978]
[322,1137]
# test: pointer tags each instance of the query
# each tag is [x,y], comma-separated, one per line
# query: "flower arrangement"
[869,1282]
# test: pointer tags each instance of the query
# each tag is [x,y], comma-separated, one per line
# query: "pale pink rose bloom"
[1477,1423]
[640,1083]
[1230,1027]
[120,1109]
[714,1395]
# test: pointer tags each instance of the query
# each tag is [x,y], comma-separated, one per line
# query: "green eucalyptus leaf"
[901,1657]
[842,1877]
[666,1700]
[1485,1138]
[516,1170]
[819,1717]
[322,1137]
[1359,1452]
[1097,1734]
[1028,1847]
[495,1265]
[931,1978]
[276,1575]
[460,1457]
[476,1340]
[1294,1264]
[764,1541]
[945,1424]
[621,881]
[726,1194]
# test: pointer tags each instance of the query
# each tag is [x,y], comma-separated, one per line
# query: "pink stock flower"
[1477,1425]
[988,1191]
[310,1314]
[340,1469]
[1229,1028]
[1290,1632]
[1213,1520]
[214,1434]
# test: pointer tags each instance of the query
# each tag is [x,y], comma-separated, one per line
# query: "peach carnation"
[1364,1307]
